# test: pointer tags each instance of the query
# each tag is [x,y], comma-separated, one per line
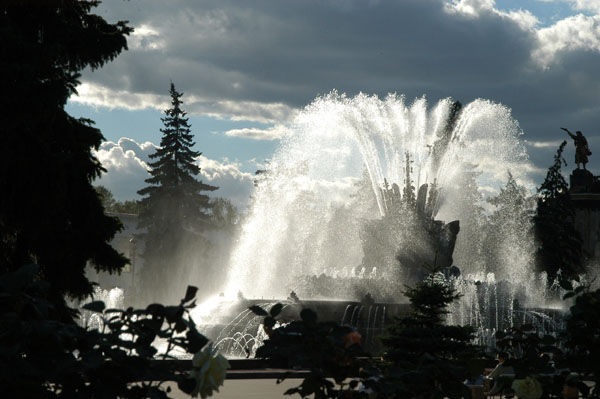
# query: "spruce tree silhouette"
[49,212]
[425,357]
[174,208]
[554,224]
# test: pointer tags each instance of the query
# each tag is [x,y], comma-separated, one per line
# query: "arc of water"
[368,331]
[344,316]
[226,337]
[374,322]
[240,341]
[373,171]
[360,309]
[356,307]
[496,307]
[234,322]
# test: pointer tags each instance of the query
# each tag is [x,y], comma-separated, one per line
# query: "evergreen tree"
[50,213]
[508,229]
[174,208]
[512,202]
[225,215]
[554,223]
[425,357]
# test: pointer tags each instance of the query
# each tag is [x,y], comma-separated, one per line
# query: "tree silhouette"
[558,240]
[508,227]
[106,197]
[174,208]
[49,212]
[112,205]
[425,357]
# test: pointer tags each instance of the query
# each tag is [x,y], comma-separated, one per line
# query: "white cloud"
[524,18]
[126,164]
[472,8]
[579,32]
[96,95]
[273,133]
[144,37]
[585,5]
[529,170]
[265,60]
[233,183]
[258,165]
[543,144]
[478,8]
[141,150]
[126,167]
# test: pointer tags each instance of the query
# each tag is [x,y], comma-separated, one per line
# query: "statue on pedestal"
[581,147]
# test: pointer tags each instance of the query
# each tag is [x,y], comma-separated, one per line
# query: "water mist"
[325,180]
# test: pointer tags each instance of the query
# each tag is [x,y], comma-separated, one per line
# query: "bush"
[42,356]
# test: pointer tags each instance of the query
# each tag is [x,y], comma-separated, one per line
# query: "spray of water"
[326,179]
[112,298]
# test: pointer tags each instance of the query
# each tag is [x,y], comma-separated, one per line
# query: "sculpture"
[408,236]
[581,147]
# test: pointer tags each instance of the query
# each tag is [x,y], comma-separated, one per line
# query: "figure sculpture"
[408,235]
[581,147]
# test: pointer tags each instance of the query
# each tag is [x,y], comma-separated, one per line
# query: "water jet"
[366,190]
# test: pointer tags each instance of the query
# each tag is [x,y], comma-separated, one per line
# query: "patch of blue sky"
[209,132]
[548,12]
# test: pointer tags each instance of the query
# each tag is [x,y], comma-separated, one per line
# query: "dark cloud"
[290,52]
[271,52]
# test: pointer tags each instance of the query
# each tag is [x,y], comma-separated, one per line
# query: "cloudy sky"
[247,67]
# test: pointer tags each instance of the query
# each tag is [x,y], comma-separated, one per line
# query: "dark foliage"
[112,205]
[582,336]
[174,204]
[127,206]
[327,350]
[42,357]
[562,363]
[49,211]
[425,358]
[559,242]
[537,356]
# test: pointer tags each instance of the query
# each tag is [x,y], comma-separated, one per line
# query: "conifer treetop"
[174,163]
[174,196]
[50,213]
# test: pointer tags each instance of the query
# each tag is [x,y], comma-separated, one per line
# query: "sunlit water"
[303,230]
[325,180]
[112,298]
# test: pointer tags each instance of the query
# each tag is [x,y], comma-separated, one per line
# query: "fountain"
[325,181]
[112,298]
[357,198]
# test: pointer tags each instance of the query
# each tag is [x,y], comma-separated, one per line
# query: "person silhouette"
[500,370]
[581,147]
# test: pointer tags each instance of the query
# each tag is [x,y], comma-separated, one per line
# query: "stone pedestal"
[583,181]
[587,222]
[585,196]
